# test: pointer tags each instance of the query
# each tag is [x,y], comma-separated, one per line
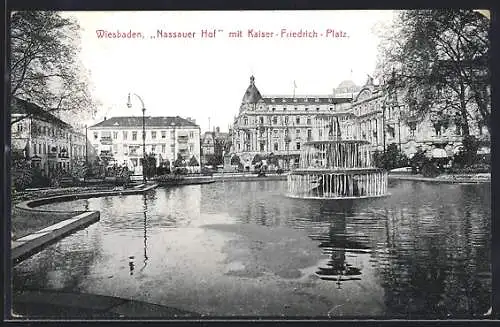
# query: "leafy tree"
[214,160]
[179,162]
[441,59]
[193,161]
[418,160]
[392,158]
[467,156]
[44,66]
[235,160]
[149,167]
[78,169]
[257,158]
[21,173]
[272,159]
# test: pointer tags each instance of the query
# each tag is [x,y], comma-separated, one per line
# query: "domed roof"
[252,95]
[346,84]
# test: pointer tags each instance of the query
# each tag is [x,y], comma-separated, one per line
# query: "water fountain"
[336,169]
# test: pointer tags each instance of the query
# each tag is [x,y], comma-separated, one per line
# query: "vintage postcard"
[324,164]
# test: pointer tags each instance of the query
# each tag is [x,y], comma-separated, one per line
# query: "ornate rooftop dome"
[346,84]
[252,95]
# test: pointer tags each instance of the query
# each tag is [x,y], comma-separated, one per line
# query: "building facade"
[120,139]
[382,119]
[215,143]
[281,124]
[43,139]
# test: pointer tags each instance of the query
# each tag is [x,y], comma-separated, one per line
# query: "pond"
[244,249]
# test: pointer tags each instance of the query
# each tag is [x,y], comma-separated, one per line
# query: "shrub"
[392,158]
[169,178]
[429,169]
[181,171]
[21,174]
[418,160]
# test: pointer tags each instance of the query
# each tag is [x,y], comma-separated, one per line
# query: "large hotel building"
[281,124]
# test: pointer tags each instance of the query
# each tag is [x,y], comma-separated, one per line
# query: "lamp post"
[129,105]
[86,152]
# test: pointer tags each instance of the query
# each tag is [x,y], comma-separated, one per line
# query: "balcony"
[182,139]
[106,140]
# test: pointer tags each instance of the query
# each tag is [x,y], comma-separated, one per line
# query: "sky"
[206,77]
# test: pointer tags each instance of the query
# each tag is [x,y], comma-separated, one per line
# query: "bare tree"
[44,66]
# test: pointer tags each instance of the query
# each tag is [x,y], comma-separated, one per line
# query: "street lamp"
[86,151]
[129,105]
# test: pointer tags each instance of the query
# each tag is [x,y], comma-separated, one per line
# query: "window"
[191,135]
[284,108]
[317,108]
[134,136]
[331,108]
[153,148]
[306,108]
[297,120]
[191,148]
[297,146]
[309,134]
[115,135]
[34,149]
[261,119]
[320,132]
[286,119]
[125,135]
[275,120]
[297,132]
[163,148]
[261,146]
[308,120]
[19,127]
[245,121]
[153,135]
[275,146]
[40,148]
[163,135]
[96,135]
[275,133]
[274,109]
[44,148]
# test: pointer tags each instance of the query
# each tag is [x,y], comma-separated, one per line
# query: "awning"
[439,153]
[484,150]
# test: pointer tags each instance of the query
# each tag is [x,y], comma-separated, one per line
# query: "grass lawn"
[24,222]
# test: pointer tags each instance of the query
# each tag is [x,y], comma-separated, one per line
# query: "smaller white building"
[120,139]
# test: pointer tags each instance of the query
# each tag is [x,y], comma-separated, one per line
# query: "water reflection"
[145,208]
[426,246]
